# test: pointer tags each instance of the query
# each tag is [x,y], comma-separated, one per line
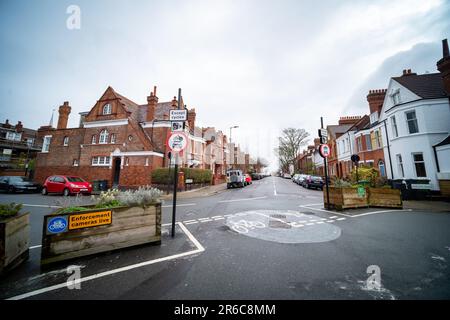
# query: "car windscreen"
[18,179]
[75,179]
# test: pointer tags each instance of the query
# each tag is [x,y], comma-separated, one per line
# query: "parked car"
[286,175]
[301,178]
[294,177]
[66,185]
[248,179]
[256,176]
[18,184]
[235,178]
[315,182]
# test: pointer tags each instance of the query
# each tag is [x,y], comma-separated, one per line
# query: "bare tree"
[289,145]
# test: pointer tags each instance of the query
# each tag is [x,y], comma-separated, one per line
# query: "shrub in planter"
[117,219]
[199,176]
[14,236]
[365,174]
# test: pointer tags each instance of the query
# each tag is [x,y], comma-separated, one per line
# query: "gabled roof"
[427,86]
[335,129]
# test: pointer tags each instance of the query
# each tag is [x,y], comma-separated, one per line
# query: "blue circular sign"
[57,225]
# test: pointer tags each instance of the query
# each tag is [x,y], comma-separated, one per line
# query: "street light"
[234,127]
[230,131]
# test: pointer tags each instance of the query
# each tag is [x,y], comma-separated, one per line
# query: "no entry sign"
[324,150]
[177,141]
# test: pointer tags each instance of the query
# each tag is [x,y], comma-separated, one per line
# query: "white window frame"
[46,144]
[107,109]
[400,168]
[113,138]
[414,164]
[408,120]
[394,127]
[101,161]
[103,138]
[94,139]
[13,136]
[66,141]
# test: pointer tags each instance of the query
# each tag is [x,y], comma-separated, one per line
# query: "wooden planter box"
[345,198]
[122,227]
[14,241]
[387,198]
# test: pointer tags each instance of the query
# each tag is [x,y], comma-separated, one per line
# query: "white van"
[235,178]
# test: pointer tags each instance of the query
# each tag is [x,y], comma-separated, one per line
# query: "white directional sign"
[178,115]
[177,141]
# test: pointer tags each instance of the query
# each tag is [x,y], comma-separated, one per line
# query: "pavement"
[269,240]
[431,206]
[199,192]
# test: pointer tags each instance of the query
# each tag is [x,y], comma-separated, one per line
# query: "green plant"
[365,174]
[165,176]
[143,196]
[339,183]
[71,209]
[106,199]
[10,210]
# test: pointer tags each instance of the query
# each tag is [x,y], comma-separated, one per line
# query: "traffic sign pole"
[326,172]
[175,180]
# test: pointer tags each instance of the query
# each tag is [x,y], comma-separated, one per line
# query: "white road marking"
[207,220]
[320,222]
[219,218]
[187,221]
[227,215]
[333,217]
[341,214]
[197,244]
[216,217]
[35,247]
[381,211]
[309,224]
[274,187]
[180,205]
[340,219]
[201,219]
[40,206]
[331,220]
[191,222]
[246,199]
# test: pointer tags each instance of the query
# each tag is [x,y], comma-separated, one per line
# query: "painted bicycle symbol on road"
[244,226]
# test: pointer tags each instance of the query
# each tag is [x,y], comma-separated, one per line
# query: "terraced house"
[118,140]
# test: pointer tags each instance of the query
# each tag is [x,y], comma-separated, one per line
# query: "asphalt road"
[270,240]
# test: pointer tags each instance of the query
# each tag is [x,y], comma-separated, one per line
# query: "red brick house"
[118,140]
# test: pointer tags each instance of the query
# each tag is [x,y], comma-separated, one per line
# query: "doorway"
[116,177]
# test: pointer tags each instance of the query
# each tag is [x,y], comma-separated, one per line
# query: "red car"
[248,179]
[66,185]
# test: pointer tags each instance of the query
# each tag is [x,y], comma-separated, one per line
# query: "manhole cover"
[283,226]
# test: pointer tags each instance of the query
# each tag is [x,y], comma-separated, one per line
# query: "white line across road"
[351,216]
[40,206]
[180,205]
[327,211]
[245,199]
[197,244]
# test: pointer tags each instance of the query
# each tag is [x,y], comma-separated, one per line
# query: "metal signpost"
[355,160]
[324,153]
[177,142]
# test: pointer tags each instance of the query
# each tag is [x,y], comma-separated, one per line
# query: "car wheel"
[44,191]
[66,192]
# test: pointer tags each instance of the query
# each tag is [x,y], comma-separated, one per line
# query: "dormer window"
[107,109]
[103,137]
[395,96]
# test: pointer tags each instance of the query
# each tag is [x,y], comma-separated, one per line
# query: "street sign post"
[323,135]
[324,152]
[176,126]
[177,141]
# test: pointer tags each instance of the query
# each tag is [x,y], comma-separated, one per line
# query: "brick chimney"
[7,124]
[443,66]
[407,72]
[19,126]
[152,101]
[376,99]
[64,112]
[174,103]
[191,118]
[349,120]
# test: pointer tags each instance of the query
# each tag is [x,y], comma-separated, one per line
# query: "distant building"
[18,146]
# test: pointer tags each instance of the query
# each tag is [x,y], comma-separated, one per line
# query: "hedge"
[161,175]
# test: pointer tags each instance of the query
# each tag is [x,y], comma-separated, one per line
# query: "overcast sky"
[261,65]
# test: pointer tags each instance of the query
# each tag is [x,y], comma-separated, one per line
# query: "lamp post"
[233,127]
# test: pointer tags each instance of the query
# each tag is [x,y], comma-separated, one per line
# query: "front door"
[116,177]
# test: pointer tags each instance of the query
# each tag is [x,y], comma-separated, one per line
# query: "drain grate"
[278,216]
